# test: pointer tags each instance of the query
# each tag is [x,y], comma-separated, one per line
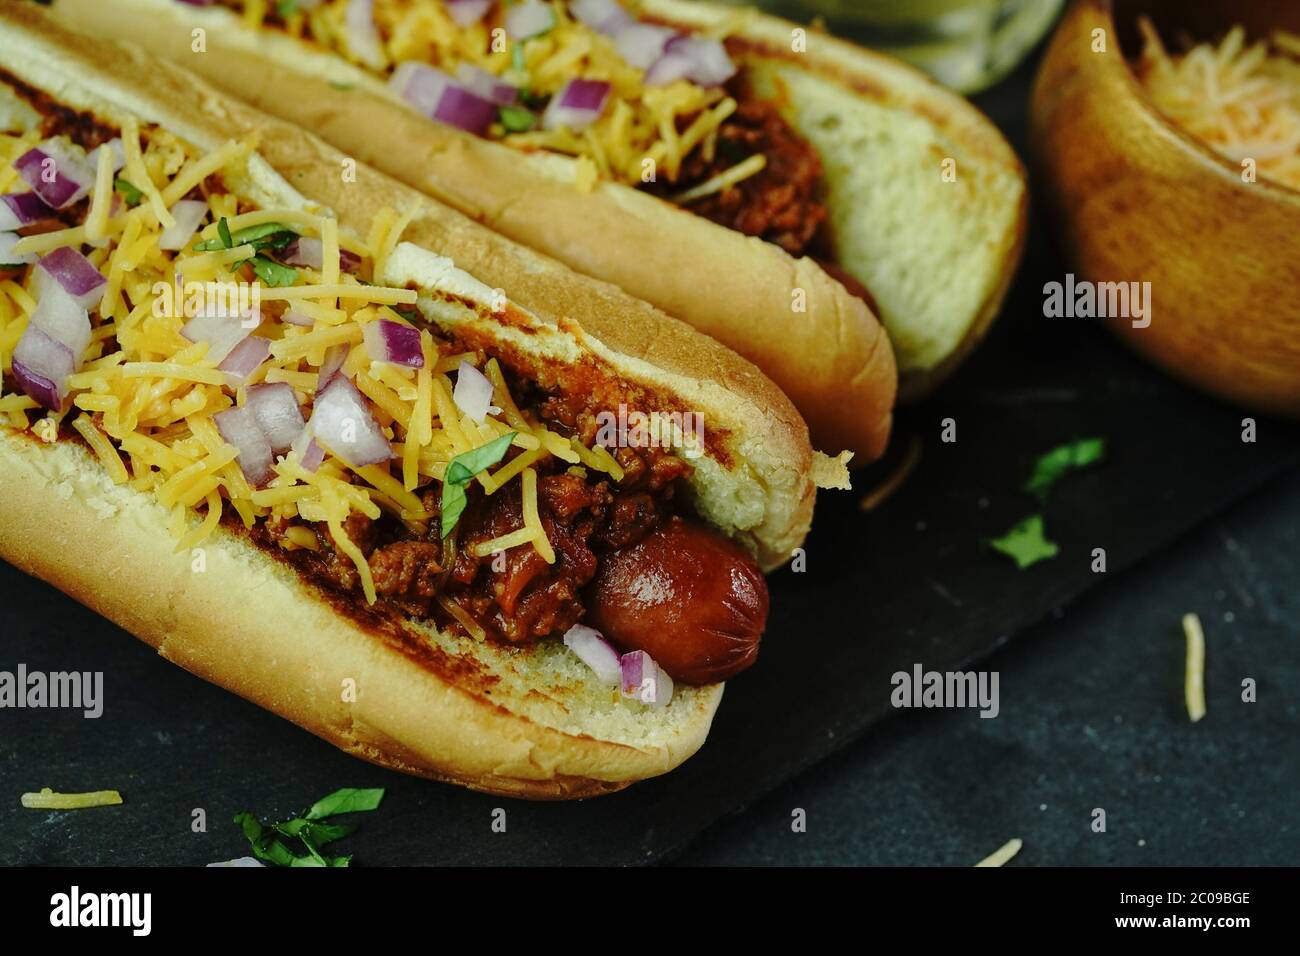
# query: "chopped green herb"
[1025,544]
[273,234]
[516,119]
[309,830]
[286,8]
[320,833]
[347,800]
[1053,466]
[340,85]
[128,191]
[272,273]
[461,470]
[265,846]
[517,60]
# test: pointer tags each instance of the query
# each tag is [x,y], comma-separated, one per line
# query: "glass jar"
[965,44]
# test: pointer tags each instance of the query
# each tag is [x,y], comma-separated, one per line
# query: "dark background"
[1093,712]
[1090,664]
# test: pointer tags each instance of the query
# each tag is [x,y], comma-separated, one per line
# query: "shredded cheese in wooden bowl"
[1243,101]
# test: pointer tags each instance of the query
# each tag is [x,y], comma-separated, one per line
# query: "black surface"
[1092,716]
[909,583]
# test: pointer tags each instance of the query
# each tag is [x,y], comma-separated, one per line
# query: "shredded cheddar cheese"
[101,197]
[47,799]
[145,396]
[1242,101]
[1003,854]
[639,122]
[1194,668]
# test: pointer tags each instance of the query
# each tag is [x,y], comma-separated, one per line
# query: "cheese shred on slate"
[1002,855]
[47,799]
[1194,671]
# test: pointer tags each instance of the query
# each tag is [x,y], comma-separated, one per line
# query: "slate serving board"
[911,582]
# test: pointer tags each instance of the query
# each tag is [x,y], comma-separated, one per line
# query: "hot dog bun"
[833,360]
[937,256]
[529,722]
[534,725]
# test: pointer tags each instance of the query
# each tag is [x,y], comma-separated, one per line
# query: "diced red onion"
[578,104]
[221,332]
[464,109]
[335,356]
[276,409]
[469,106]
[389,341]
[297,318]
[363,36]
[119,155]
[466,13]
[419,84]
[663,692]
[594,651]
[669,68]
[71,181]
[62,319]
[603,16]
[305,251]
[239,427]
[22,209]
[712,65]
[7,255]
[342,422]
[349,261]
[308,451]
[644,680]
[309,252]
[187,213]
[640,44]
[244,359]
[42,365]
[473,393]
[485,84]
[313,456]
[73,273]
[529,19]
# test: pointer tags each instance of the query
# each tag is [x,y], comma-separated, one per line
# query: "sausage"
[693,600]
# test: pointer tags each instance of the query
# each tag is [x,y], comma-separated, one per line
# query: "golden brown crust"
[833,359]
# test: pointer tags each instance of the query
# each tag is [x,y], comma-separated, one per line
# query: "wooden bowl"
[1135,198]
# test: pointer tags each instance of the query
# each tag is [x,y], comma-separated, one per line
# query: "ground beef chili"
[781,203]
[516,597]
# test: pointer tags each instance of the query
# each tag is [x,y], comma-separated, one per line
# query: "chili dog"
[387,474]
[774,187]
